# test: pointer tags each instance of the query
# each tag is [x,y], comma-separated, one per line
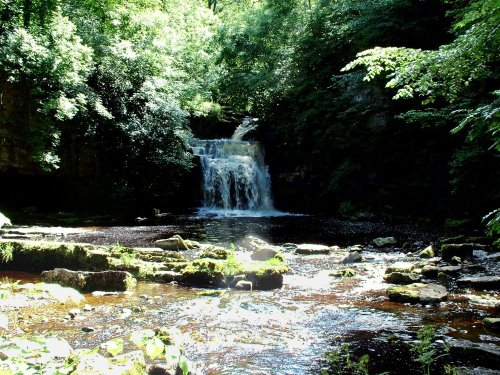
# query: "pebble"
[88,329]
[88,308]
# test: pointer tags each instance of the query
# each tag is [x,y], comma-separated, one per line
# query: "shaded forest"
[383,108]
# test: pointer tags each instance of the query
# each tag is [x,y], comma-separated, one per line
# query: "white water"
[236,181]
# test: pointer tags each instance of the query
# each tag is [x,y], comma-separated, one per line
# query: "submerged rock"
[346,272]
[480,282]
[418,293]
[91,281]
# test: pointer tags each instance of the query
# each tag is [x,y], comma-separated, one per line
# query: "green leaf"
[184,365]
[154,347]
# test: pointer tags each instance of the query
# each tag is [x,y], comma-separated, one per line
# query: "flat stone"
[418,293]
[167,276]
[312,249]
[480,282]
[174,243]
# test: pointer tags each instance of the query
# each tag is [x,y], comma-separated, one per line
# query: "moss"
[346,272]
[215,253]
[403,294]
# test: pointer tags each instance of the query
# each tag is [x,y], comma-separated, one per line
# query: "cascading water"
[236,181]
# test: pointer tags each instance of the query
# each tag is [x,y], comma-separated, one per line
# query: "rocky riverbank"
[434,283]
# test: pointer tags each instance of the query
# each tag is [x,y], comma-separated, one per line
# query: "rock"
[346,272]
[428,252]
[174,243]
[252,243]
[91,281]
[215,253]
[384,241]
[402,278]
[463,251]
[130,363]
[4,220]
[455,261]
[244,285]
[158,370]
[418,293]
[312,249]
[73,313]
[353,257]
[355,248]
[167,276]
[432,272]
[87,308]
[58,348]
[492,323]
[88,329]
[402,267]
[289,246]
[480,282]
[263,254]
[486,354]
[494,256]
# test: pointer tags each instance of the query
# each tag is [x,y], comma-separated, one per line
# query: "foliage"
[340,361]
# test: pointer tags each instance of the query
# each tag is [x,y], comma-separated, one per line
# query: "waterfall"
[236,181]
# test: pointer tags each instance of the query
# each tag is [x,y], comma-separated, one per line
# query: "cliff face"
[14,117]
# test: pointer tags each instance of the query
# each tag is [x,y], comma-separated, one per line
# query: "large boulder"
[91,281]
[418,293]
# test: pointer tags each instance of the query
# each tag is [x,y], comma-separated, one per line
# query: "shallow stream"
[283,331]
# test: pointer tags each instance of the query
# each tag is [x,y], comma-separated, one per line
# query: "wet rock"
[402,278]
[475,371]
[403,267]
[428,252]
[74,312]
[88,329]
[432,272]
[176,243]
[244,285]
[263,254]
[418,293]
[91,281]
[492,323]
[312,249]
[167,276]
[355,248]
[455,261]
[289,246]
[486,354]
[158,370]
[353,257]
[464,250]
[480,282]
[384,241]
[494,256]
[346,272]
[88,308]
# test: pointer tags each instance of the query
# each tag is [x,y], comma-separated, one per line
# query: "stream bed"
[282,331]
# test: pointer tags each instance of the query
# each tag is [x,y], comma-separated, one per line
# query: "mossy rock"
[37,256]
[204,272]
[346,272]
[418,293]
[464,250]
[215,253]
[428,252]
[402,267]
[402,278]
